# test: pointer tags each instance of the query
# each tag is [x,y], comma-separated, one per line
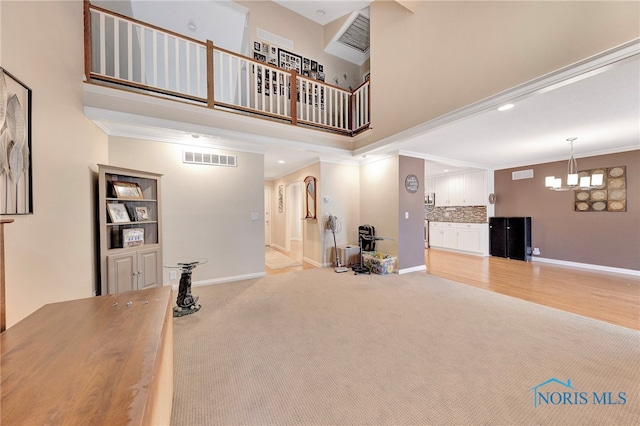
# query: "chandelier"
[573,181]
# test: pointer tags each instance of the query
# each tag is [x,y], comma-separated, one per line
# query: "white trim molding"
[419,268]
[600,268]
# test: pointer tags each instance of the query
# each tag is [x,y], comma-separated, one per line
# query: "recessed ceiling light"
[192,27]
[280,161]
[506,107]
[445,170]
[195,136]
[320,12]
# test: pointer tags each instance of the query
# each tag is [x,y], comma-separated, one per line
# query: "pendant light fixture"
[574,182]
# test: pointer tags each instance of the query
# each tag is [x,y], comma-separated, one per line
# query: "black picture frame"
[17,184]
[289,61]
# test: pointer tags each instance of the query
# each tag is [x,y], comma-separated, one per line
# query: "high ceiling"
[600,108]
[323,12]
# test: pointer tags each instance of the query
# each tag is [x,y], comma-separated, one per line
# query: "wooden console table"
[104,360]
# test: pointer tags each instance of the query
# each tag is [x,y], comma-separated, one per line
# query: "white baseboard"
[313,262]
[412,269]
[277,247]
[202,283]
[586,266]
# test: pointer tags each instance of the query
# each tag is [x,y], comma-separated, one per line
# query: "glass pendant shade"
[574,181]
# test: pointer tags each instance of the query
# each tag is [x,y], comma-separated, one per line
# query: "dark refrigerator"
[510,237]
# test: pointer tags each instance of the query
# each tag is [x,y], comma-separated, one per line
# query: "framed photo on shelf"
[132,237]
[127,189]
[142,213]
[118,213]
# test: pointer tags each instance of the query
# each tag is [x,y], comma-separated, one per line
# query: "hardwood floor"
[295,253]
[613,298]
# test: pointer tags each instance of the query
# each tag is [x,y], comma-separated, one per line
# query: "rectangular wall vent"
[275,39]
[522,174]
[191,157]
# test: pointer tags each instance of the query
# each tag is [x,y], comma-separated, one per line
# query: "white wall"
[50,255]
[379,201]
[341,184]
[206,210]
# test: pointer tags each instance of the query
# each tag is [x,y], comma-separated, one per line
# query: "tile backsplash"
[467,214]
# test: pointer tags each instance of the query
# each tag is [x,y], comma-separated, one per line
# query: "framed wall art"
[289,61]
[16,170]
[610,196]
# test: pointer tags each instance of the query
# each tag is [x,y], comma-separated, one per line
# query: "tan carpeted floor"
[319,348]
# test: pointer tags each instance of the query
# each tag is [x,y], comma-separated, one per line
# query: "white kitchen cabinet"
[475,189]
[468,189]
[469,237]
[435,234]
[449,190]
[449,237]
[465,237]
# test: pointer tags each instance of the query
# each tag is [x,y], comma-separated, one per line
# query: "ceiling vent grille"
[356,35]
[191,157]
[522,174]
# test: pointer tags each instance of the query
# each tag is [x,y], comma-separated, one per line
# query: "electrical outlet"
[536,251]
[172,275]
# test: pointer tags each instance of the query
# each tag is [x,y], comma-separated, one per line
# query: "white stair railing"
[142,55]
[134,54]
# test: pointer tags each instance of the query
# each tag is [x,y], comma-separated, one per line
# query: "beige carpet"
[319,348]
[276,260]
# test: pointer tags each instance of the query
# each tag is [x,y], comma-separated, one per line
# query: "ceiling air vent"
[356,35]
[191,157]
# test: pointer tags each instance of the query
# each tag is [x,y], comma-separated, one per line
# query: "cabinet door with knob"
[134,270]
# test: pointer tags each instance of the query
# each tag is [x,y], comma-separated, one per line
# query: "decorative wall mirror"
[310,197]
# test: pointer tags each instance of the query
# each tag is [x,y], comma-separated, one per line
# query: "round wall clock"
[411,184]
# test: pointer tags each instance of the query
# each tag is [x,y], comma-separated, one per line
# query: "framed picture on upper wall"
[15,114]
[289,61]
